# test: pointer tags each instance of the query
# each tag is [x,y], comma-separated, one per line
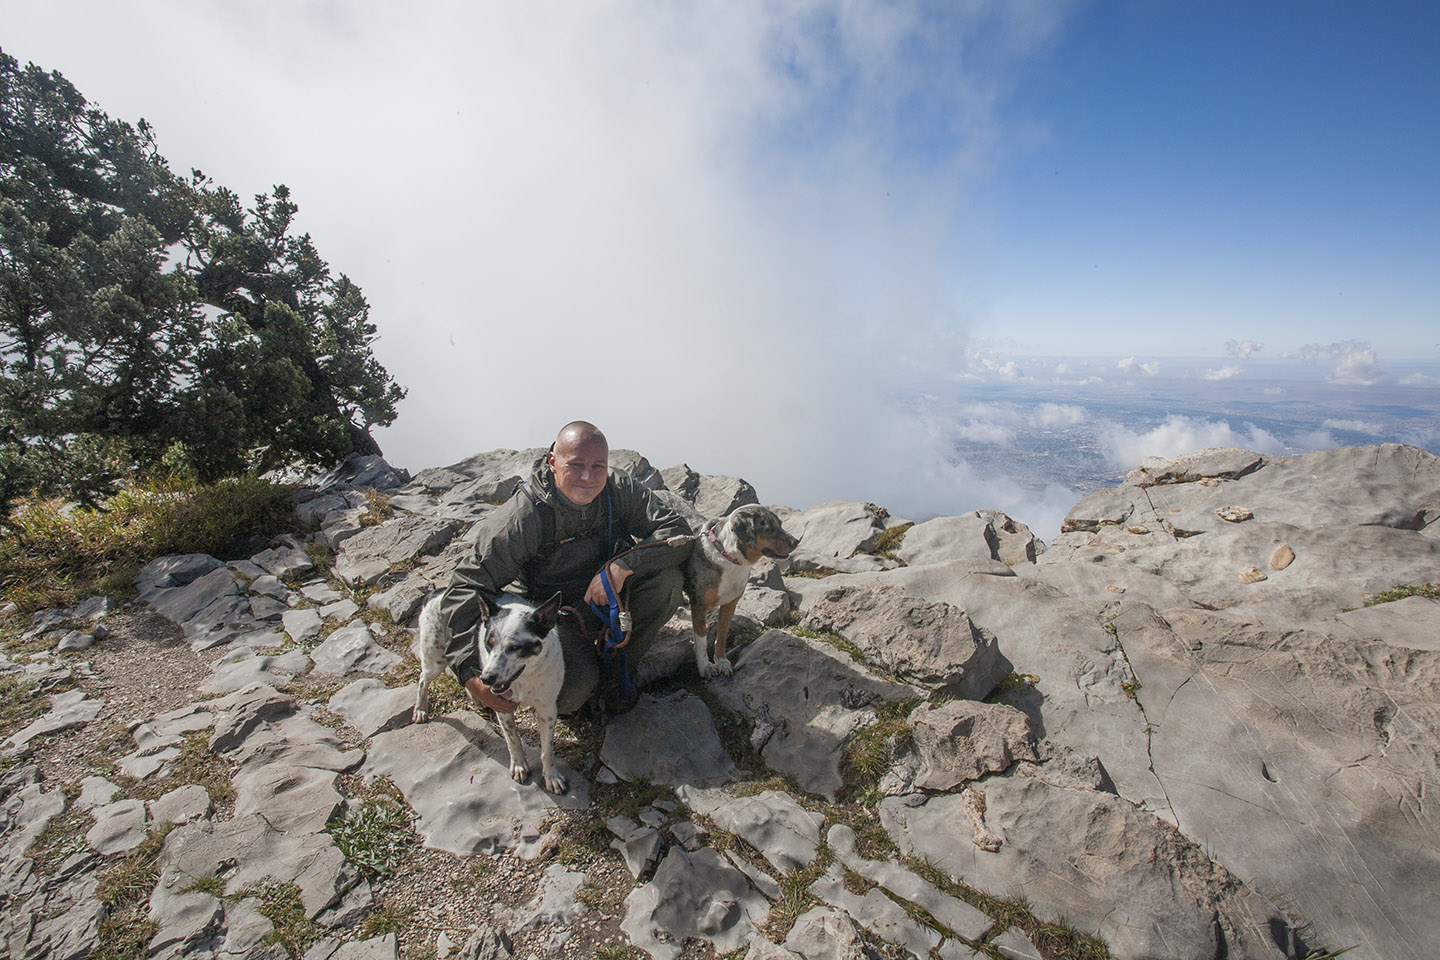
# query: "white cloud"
[1243,349]
[1355,364]
[1058,415]
[1125,448]
[1355,426]
[1315,440]
[1274,391]
[1224,373]
[1132,366]
[1420,380]
[658,218]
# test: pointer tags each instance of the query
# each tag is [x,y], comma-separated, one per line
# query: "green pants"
[653,600]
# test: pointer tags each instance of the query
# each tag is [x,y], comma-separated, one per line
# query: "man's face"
[580,469]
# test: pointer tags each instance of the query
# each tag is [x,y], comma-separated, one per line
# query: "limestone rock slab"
[455,773]
[811,698]
[875,912]
[667,740]
[697,895]
[184,603]
[352,649]
[68,710]
[368,555]
[1095,860]
[957,915]
[284,560]
[247,851]
[370,706]
[119,827]
[242,667]
[785,833]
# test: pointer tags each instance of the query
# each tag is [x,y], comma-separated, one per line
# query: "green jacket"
[511,552]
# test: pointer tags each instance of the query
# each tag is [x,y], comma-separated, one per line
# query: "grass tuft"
[376,837]
[282,905]
[873,749]
[124,891]
[20,704]
[1429,591]
[384,919]
[889,541]
[795,896]
[377,509]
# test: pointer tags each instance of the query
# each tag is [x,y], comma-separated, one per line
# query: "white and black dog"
[520,658]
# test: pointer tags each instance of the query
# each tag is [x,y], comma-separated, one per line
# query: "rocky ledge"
[1179,728]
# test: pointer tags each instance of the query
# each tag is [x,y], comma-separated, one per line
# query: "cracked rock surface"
[1184,764]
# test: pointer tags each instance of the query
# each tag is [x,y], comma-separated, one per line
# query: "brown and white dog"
[718,569]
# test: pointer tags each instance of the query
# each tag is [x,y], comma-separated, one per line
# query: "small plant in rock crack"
[375,837]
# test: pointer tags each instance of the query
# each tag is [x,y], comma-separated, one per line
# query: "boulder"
[982,533]
[962,740]
[932,644]
[352,649]
[666,740]
[837,529]
[364,472]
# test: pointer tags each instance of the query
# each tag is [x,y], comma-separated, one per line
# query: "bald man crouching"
[554,533]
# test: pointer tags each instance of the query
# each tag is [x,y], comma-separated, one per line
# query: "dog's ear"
[542,621]
[743,526]
[488,609]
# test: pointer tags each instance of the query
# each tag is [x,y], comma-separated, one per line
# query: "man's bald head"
[579,431]
[578,461]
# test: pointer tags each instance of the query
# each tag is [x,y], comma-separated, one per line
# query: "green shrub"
[54,553]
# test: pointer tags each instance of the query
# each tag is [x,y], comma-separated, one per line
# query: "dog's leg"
[702,648]
[554,782]
[430,652]
[722,631]
[518,768]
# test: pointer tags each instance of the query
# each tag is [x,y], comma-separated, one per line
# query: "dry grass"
[55,553]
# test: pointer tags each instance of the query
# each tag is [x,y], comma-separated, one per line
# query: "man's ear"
[542,621]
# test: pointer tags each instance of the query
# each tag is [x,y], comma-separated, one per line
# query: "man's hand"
[595,593]
[492,700]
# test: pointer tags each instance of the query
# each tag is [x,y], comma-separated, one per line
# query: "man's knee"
[659,590]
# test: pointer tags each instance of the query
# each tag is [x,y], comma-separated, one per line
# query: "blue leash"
[619,622]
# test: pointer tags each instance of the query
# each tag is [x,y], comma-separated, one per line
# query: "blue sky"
[1262,170]
[777,230]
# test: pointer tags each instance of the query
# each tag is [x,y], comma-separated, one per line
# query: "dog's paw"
[721,668]
[518,772]
[419,716]
[556,783]
[705,668]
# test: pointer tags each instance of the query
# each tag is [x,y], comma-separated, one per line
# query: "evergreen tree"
[146,316]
